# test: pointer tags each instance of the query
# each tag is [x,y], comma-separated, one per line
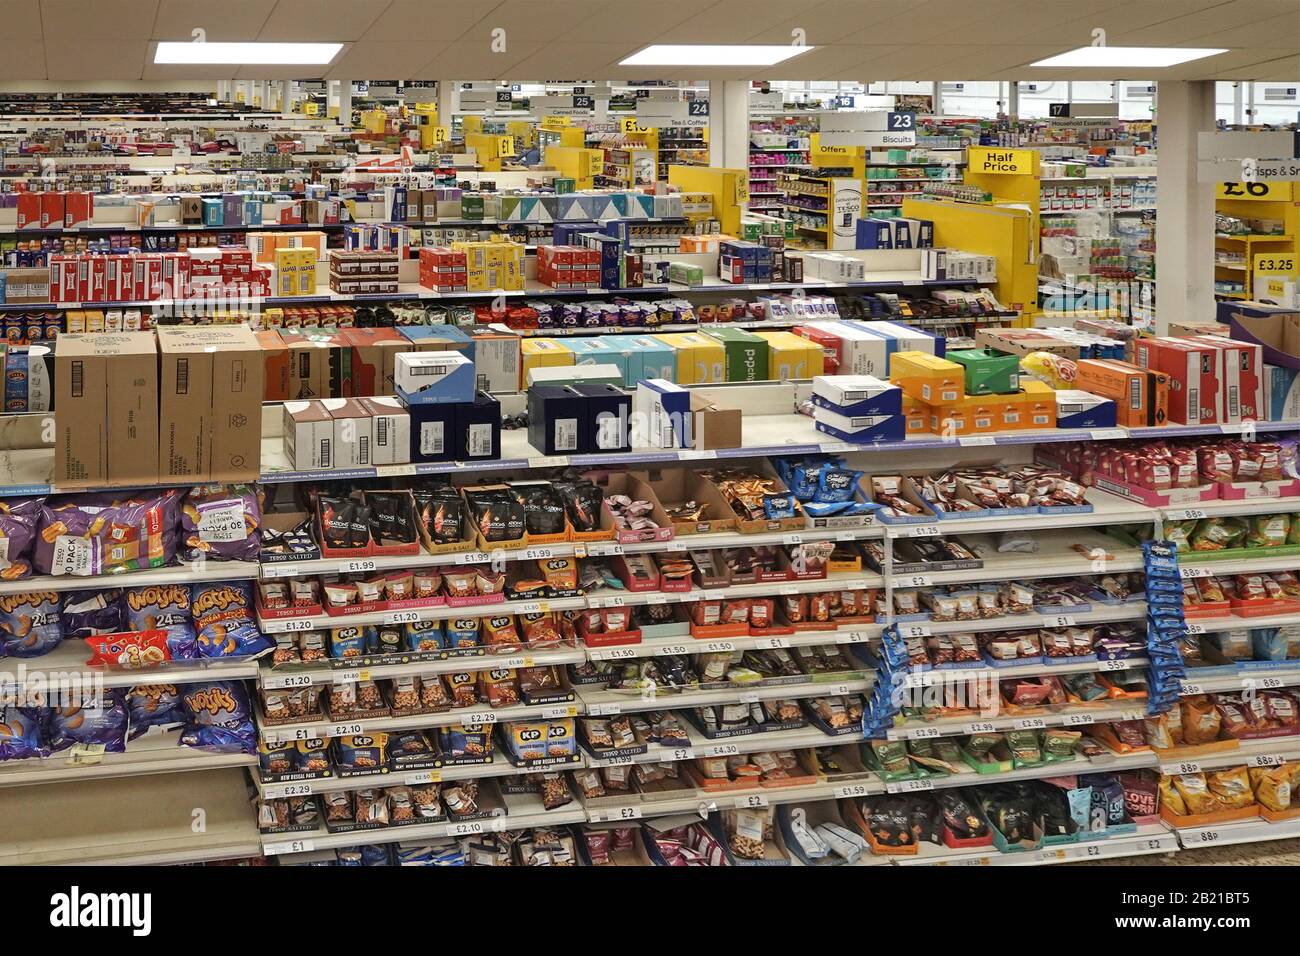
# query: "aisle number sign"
[872,128]
[672,114]
[1004,162]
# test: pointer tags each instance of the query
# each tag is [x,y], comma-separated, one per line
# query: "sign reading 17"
[903,121]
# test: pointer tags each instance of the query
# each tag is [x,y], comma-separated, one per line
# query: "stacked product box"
[568,267]
[982,393]
[323,434]
[443,269]
[744,262]
[451,419]
[492,265]
[858,408]
[362,272]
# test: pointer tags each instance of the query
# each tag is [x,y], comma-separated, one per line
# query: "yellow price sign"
[1257,191]
[595,162]
[742,188]
[629,125]
[505,145]
[1276,289]
[1003,162]
[440,134]
[1274,263]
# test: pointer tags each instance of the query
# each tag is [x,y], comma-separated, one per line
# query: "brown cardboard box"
[1024,341]
[367,360]
[27,285]
[314,364]
[714,426]
[275,361]
[184,407]
[132,408]
[211,407]
[1183,329]
[191,209]
[80,422]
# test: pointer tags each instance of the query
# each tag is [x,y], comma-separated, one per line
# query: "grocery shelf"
[137,821]
[1056,557]
[1073,717]
[1129,611]
[1110,763]
[1196,565]
[933,676]
[1107,509]
[153,753]
[1243,831]
[848,581]
[342,671]
[193,572]
[616,809]
[328,727]
[65,668]
[701,746]
[1253,679]
[439,612]
[1209,625]
[567,549]
[1149,839]
[1260,752]
[598,702]
[657,647]
[1224,508]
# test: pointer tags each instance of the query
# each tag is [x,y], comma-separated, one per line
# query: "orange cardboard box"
[1141,395]
[275,355]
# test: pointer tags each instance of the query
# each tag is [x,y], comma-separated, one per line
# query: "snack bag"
[218,717]
[224,620]
[153,705]
[98,721]
[29,624]
[1231,787]
[21,733]
[18,518]
[221,523]
[163,607]
[101,534]
[88,613]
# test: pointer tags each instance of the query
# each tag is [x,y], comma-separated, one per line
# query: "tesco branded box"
[1195,371]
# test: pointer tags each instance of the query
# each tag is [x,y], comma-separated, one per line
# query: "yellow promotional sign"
[1276,289]
[1004,162]
[1274,263]
[439,134]
[1263,192]
[310,109]
[629,125]
[505,145]
[472,124]
[556,122]
[595,162]
[742,188]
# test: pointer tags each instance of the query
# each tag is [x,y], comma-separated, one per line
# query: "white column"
[729,124]
[937,96]
[264,91]
[1237,103]
[223,91]
[345,103]
[286,97]
[1184,207]
[1013,99]
[448,102]
[331,95]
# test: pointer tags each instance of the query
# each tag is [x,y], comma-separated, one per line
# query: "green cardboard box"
[988,371]
[746,354]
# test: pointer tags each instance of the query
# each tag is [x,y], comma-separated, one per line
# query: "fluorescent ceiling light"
[671,54]
[293,54]
[1138,56]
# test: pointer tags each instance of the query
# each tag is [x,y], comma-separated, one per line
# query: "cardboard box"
[1243,377]
[988,371]
[315,364]
[210,410]
[927,378]
[433,431]
[746,358]
[132,409]
[541,353]
[308,431]
[1195,370]
[275,363]
[1024,341]
[478,428]
[700,360]
[661,415]
[81,374]
[496,352]
[857,395]
[791,356]
[390,430]
[352,432]
[427,378]
[1141,396]
[368,359]
[714,426]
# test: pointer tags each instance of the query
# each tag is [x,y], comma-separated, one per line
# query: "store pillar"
[286,97]
[729,124]
[1184,207]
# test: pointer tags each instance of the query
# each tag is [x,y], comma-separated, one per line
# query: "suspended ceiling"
[864,40]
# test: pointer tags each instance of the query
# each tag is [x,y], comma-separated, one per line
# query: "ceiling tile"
[68,22]
[541,20]
[22,21]
[621,22]
[564,60]
[21,60]
[231,21]
[440,20]
[734,21]
[371,60]
[475,61]
[122,60]
[309,20]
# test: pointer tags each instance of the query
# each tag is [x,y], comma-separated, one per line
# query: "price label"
[556,713]
[773,642]
[288,569]
[792,539]
[357,567]
[722,750]
[277,791]
[1191,628]
[468,828]
[534,607]
[788,591]
[343,730]
[401,617]
[923,733]
[350,677]
[597,550]
[294,625]
[1201,836]
[474,557]
[288,846]
[1187,514]
[714,596]
[273,681]
[846,535]
[683,753]
[1047,856]
[616,601]
[690,454]
[394,471]
[910,786]
[538,554]
[512,663]
[917,581]
[1060,620]
[1188,689]
[1265,760]
[616,654]
[1079,720]
[657,599]
[915,630]
[549,461]
[481,717]
[291,734]
[1194,572]
[1182,767]
[919,531]
[1108,434]
[626,813]
[753,800]
[619,760]
[968,440]
[1116,665]
[603,710]
[678,545]
[1262,683]
[1030,723]
[749,698]
[851,790]
[419,777]
[852,637]
[671,649]
[980,727]
[717,647]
